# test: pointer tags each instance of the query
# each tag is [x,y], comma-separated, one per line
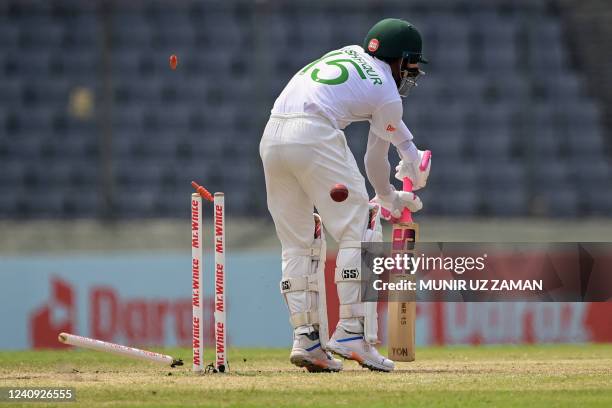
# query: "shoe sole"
[351,355]
[313,366]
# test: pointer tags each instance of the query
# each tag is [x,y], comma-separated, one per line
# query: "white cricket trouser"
[303,157]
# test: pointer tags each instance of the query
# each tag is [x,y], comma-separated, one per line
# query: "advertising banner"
[139,299]
[144,299]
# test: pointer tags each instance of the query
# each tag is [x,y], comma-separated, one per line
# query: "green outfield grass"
[522,376]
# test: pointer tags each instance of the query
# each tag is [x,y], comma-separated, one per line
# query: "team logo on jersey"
[373,45]
[390,128]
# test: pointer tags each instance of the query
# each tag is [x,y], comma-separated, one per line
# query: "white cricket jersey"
[345,86]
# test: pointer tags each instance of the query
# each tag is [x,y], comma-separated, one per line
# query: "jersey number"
[340,63]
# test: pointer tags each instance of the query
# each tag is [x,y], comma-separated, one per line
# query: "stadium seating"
[507,116]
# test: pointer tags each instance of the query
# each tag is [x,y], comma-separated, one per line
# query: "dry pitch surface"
[525,376]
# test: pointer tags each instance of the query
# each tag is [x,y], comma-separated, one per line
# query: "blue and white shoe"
[307,352]
[352,346]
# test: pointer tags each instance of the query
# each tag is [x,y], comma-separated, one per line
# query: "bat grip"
[406,214]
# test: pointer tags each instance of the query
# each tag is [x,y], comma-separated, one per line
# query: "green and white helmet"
[394,38]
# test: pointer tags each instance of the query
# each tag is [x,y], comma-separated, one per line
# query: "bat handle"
[406,214]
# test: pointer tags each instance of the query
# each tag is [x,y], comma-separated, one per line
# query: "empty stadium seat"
[551,174]
[9,34]
[594,171]
[501,60]
[598,201]
[506,201]
[39,32]
[502,174]
[562,202]
[12,174]
[544,143]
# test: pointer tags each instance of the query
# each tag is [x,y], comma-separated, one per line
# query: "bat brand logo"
[403,239]
[400,351]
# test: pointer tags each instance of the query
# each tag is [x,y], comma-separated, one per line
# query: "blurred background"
[99,140]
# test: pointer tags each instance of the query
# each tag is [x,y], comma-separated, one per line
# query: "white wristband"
[408,151]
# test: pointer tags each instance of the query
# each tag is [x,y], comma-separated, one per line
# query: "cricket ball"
[173,61]
[339,193]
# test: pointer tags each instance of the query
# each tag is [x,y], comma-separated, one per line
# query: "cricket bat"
[401,313]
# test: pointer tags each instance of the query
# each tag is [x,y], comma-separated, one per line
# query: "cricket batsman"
[304,154]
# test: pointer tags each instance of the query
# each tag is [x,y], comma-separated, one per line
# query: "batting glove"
[413,172]
[395,202]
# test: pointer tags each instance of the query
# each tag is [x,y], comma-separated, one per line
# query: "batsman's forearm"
[377,165]
[408,151]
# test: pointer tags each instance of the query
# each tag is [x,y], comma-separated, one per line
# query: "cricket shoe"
[307,352]
[352,346]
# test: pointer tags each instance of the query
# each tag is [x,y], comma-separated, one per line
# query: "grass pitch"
[504,376]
